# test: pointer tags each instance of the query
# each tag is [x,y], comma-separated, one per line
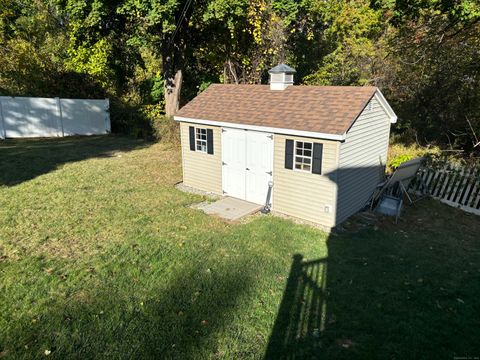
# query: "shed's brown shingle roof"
[322,109]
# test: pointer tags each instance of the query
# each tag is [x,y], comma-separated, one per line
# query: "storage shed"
[323,148]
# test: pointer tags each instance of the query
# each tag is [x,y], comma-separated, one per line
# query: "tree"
[164,26]
[31,47]
[432,72]
[352,32]
[422,54]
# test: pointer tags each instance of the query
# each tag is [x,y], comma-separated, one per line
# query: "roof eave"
[386,106]
[303,133]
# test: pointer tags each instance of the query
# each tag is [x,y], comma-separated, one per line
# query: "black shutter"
[288,154]
[191,129]
[317,158]
[210,141]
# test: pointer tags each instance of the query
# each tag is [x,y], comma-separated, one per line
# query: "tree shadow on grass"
[402,291]
[178,319]
[23,160]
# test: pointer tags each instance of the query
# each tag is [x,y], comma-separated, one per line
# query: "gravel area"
[182,187]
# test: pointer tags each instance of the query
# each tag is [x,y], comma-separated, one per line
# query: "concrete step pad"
[230,208]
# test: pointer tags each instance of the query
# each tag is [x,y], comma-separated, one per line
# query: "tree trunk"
[173,54]
[173,88]
[173,75]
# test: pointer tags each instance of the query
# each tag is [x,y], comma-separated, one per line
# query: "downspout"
[268,205]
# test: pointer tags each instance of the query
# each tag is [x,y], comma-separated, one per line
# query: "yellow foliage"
[256,12]
[92,60]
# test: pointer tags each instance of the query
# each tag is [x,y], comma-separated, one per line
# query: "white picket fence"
[457,186]
[52,117]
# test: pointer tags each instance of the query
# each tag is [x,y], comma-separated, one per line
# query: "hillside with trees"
[151,56]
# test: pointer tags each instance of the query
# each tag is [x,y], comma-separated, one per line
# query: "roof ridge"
[300,86]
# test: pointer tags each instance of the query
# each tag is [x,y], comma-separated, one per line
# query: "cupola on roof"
[281,77]
[282,68]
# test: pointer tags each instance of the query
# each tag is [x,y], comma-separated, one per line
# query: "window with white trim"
[303,156]
[201,139]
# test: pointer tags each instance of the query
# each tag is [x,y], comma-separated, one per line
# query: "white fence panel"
[30,117]
[457,186]
[85,117]
[22,117]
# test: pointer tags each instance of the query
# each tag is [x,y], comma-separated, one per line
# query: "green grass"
[100,256]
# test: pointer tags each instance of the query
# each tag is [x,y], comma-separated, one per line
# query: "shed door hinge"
[224,163]
[270,137]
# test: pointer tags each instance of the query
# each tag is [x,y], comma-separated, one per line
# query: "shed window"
[201,139]
[303,156]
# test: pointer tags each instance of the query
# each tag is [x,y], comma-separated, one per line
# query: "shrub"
[399,159]
[143,122]
[128,119]
[399,153]
[163,128]
[166,129]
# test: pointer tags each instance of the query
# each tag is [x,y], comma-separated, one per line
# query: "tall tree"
[432,72]
[352,31]
[164,26]
[422,54]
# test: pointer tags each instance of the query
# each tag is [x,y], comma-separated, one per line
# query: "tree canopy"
[424,55]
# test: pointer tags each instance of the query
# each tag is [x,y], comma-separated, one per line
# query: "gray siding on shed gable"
[362,158]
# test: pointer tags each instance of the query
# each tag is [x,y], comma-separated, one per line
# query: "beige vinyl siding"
[201,170]
[301,194]
[362,157]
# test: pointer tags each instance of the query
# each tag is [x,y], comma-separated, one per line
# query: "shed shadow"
[386,291]
[25,159]
[301,315]
[355,186]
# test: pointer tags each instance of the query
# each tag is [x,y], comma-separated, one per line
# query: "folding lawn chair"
[388,197]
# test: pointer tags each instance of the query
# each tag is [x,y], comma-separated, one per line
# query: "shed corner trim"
[386,106]
[291,132]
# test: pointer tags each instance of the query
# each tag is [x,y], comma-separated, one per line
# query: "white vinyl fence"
[22,117]
[457,186]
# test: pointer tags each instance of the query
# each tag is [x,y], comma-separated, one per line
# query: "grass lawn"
[101,257]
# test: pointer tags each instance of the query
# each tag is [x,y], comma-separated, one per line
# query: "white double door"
[247,164]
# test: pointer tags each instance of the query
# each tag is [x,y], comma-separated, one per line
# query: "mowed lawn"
[101,257]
